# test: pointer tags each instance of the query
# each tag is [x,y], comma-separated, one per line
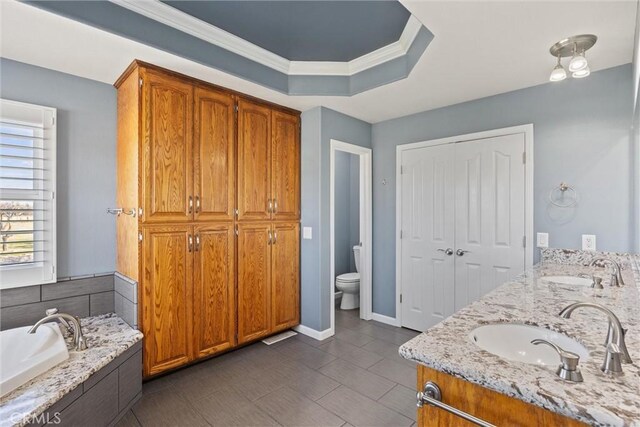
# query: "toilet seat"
[348,278]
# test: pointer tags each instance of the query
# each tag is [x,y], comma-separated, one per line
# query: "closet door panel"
[167,297]
[254,159]
[214,155]
[285,149]
[167,148]
[254,291]
[285,276]
[214,289]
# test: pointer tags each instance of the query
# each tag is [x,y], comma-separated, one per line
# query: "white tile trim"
[317,335]
[161,12]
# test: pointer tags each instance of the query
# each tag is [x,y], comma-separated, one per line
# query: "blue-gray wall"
[581,136]
[86,161]
[354,208]
[347,215]
[319,126]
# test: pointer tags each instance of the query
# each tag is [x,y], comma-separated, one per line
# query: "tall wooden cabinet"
[213,177]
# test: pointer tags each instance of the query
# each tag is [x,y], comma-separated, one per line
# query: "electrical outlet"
[588,242]
[307,233]
[543,240]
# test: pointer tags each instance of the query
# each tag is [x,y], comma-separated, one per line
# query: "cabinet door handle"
[275,205]
[433,396]
[197,242]
[269,205]
[190,204]
[197,204]
[270,238]
[275,237]
[190,245]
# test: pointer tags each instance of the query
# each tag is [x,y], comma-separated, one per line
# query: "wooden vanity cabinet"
[488,405]
[207,178]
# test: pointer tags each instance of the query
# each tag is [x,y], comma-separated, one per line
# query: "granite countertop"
[107,335]
[600,399]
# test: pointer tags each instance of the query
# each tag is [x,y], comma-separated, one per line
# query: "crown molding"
[161,12]
[158,11]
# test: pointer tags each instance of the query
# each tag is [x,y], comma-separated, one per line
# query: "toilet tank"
[356,255]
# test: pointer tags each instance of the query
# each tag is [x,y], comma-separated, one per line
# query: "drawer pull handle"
[432,396]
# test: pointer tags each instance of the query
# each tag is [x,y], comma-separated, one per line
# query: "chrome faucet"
[616,277]
[69,322]
[616,348]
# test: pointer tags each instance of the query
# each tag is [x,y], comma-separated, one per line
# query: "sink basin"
[512,341]
[24,356]
[568,280]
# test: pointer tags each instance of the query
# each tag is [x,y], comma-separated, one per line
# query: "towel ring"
[564,189]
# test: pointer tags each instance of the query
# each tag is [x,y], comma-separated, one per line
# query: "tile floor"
[354,378]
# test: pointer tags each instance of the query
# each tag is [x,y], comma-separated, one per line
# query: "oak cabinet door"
[167,149]
[254,291]
[214,289]
[285,276]
[214,158]
[167,315]
[254,161]
[285,166]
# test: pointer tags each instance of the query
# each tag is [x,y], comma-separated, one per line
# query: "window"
[27,194]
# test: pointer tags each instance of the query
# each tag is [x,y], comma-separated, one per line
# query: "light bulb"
[582,73]
[558,73]
[578,62]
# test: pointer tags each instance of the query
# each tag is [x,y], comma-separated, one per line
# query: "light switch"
[307,233]
[543,240]
[588,242]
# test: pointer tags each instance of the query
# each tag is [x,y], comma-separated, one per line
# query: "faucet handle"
[612,363]
[568,369]
[51,311]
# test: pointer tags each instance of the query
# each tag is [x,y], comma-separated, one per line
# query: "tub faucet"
[616,277]
[68,321]
[616,348]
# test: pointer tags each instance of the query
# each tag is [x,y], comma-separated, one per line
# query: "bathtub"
[24,356]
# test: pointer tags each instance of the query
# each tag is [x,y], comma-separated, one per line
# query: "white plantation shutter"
[27,194]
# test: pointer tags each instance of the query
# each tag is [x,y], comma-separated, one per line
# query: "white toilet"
[349,284]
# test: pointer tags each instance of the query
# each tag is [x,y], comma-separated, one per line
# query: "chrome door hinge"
[524,241]
[140,212]
[53,121]
[236,108]
[140,237]
[53,195]
[140,82]
[400,234]
[524,158]
[53,269]
[400,298]
[401,170]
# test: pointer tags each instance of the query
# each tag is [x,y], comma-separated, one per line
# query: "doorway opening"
[350,231]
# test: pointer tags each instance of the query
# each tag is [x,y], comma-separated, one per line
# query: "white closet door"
[427,272]
[490,215]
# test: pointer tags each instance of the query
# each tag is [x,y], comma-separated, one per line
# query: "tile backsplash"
[82,297]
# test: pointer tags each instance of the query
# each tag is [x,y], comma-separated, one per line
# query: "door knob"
[460,252]
[447,251]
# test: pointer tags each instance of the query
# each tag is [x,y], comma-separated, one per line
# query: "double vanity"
[548,348]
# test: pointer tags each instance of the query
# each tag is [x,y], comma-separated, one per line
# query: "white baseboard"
[385,319]
[317,335]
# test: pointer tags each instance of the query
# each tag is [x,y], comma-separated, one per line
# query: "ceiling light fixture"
[574,47]
[558,73]
[581,74]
